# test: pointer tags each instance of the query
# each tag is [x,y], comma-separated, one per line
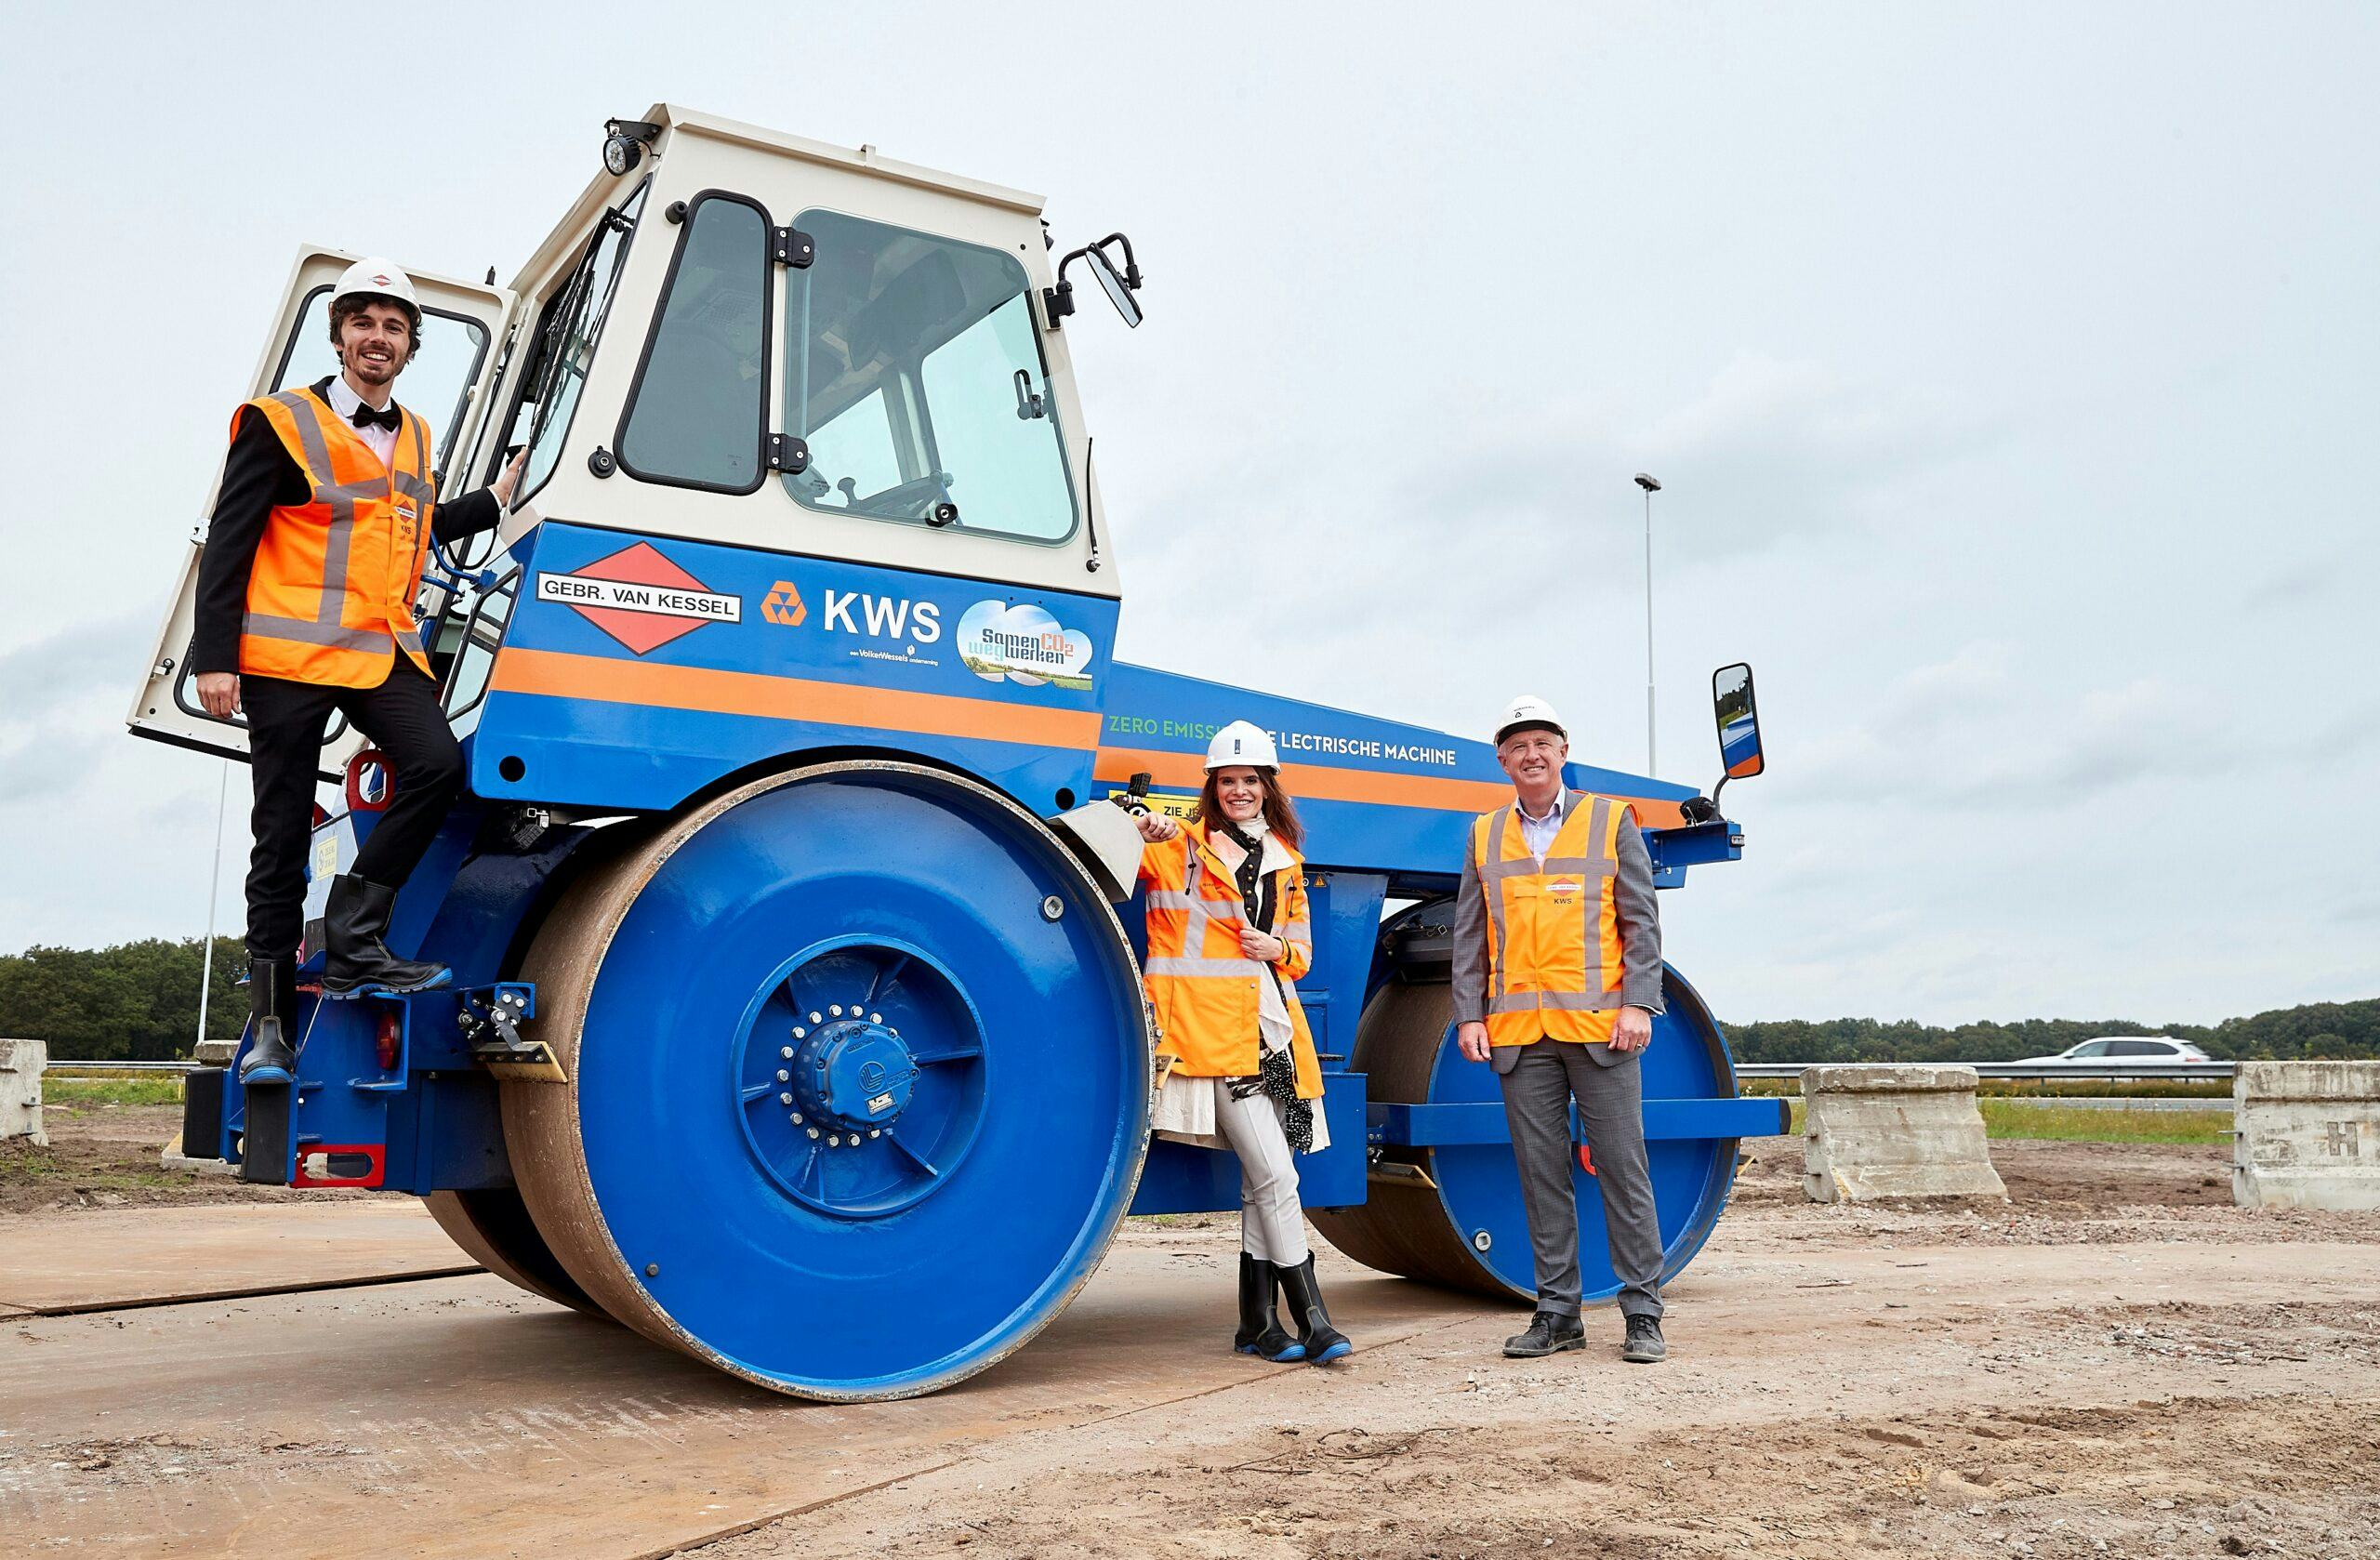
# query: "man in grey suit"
[1557,975]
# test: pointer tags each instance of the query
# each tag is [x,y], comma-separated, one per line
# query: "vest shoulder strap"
[298,419]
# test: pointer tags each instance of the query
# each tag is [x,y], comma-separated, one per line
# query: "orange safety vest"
[331,593]
[1204,989]
[1554,952]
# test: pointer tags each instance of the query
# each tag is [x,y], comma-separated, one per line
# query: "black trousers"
[285,724]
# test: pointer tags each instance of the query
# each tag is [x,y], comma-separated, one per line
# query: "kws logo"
[889,618]
[1023,643]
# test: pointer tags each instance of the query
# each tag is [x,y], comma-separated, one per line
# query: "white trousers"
[1272,1226]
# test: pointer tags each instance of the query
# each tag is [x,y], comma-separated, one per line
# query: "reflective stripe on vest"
[1554,967]
[1200,910]
[331,590]
[1207,992]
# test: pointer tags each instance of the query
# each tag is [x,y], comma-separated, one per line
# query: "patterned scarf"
[1276,1074]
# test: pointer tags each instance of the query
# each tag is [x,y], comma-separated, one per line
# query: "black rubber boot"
[355,961]
[271,1061]
[1323,1342]
[1260,1327]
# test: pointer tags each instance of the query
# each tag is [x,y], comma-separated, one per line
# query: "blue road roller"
[797,1020]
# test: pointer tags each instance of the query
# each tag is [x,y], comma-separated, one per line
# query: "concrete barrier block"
[2308,1135]
[21,1068]
[1871,1132]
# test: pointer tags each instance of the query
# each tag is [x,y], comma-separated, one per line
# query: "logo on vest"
[639,598]
[1563,888]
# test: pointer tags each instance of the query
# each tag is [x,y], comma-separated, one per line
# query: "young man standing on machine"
[305,607]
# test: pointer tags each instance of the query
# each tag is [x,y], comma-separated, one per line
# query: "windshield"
[914,371]
[572,324]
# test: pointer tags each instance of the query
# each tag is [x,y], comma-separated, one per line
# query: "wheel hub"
[854,1073]
[861,1075]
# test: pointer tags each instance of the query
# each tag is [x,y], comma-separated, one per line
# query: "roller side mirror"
[1738,720]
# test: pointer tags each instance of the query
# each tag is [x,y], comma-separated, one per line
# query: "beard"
[373,371]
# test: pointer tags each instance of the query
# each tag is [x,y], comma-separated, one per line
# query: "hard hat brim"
[1530,725]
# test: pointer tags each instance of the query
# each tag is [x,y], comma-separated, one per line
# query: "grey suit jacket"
[1634,905]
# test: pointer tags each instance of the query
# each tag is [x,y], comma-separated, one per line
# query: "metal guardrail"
[2111,1070]
[58,1068]
[2093,1072]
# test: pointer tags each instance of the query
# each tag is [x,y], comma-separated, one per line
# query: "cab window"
[696,411]
[568,331]
[914,371]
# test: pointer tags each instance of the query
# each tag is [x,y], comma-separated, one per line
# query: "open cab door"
[446,384]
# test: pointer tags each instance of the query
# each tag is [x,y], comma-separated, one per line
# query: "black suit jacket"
[259,475]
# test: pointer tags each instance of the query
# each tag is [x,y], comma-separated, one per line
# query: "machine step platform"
[489,1018]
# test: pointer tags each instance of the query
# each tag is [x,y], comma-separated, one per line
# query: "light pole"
[1650,487]
[214,892]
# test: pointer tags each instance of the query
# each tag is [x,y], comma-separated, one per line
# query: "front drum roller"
[857,1081]
[1451,1214]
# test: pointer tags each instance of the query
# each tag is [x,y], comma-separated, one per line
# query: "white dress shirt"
[1538,833]
[382,442]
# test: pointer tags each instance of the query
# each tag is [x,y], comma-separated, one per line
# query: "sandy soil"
[2119,1404]
[2114,1362]
[102,1155]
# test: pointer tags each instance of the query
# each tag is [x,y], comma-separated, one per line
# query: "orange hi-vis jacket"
[1553,949]
[1204,989]
[331,593]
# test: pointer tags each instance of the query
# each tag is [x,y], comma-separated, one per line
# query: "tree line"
[138,1002]
[2314,1031]
[132,1002]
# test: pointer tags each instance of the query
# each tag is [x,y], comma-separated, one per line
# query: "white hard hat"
[1529,710]
[379,277]
[1242,743]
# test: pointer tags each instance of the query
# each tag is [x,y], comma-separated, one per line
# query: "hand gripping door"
[447,384]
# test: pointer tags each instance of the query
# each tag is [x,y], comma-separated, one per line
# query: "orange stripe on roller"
[557,674]
[1187,771]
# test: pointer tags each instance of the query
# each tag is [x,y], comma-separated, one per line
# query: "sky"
[2010,370]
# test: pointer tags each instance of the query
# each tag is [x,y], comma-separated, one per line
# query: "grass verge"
[71,1091]
[2068,1124]
[2008,1118]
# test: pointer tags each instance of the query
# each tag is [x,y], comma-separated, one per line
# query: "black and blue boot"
[1260,1327]
[1322,1342]
[271,1061]
[355,961]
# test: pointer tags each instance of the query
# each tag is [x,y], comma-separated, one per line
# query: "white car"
[2119,1048]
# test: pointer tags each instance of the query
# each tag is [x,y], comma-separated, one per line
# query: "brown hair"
[1280,812]
[347,308]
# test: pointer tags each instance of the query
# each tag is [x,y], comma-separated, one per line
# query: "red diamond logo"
[644,600]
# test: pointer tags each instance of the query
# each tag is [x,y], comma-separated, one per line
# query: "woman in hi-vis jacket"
[1228,935]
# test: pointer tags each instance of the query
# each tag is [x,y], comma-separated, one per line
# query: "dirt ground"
[2114,1362]
[105,1155]
[1972,1415]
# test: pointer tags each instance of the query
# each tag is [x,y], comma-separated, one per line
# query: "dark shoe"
[1323,1342]
[271,1061]
[1547,1334]
[1644,1345]
[1260,1327]
[355,961]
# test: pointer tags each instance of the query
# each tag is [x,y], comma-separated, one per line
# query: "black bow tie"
[364,416]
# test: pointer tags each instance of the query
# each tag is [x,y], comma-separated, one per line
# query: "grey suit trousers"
[1539,1085]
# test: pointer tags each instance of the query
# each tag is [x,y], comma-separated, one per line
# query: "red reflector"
[384,1045]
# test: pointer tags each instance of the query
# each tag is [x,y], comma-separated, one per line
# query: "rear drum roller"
[858,1081]
[493,1228]
[1464,1226]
